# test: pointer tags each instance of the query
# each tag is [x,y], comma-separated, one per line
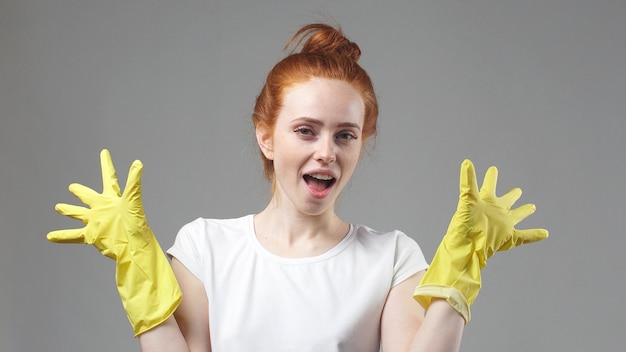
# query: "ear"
[265,141]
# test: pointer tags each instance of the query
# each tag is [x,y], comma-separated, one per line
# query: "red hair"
[324,53]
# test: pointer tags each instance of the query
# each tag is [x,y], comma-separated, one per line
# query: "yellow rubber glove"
[116,225]
[482,225]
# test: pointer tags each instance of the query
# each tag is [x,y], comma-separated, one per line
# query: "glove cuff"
[425,293]
[147,285]
[151,303]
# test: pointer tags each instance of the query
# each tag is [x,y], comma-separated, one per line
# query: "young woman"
[295,276]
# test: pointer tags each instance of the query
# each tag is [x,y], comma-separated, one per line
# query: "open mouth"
[319,182]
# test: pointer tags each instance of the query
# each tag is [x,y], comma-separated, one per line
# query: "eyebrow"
[319,123]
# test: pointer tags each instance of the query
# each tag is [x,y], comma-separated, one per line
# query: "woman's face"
[315,145]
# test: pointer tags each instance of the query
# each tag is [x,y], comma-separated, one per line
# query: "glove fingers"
[67,236]
[73,211]
[530,235]
[84,193]
[132,190]
[525,236]
[468,184]
[488,188]
[511,197]
[522,212]
[110,185]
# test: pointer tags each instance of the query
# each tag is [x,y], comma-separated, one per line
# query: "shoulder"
[396,238]
[205,224]
[211,233]
[203,240]
[203,227]
[404,252]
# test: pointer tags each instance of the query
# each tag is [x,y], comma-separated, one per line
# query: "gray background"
[536,87]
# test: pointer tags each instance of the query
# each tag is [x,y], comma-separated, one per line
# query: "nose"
[325,151]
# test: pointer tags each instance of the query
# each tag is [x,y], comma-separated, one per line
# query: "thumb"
[529,235]
[525,236]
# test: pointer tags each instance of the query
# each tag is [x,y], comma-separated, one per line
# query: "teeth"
[322,177]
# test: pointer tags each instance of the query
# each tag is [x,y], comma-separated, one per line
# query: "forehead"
[322,98]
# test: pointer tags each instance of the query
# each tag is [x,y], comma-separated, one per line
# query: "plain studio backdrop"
[537,88]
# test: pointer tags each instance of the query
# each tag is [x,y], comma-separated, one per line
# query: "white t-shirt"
[262,302]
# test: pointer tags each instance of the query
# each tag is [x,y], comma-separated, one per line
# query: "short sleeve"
[409,259]
[186,248]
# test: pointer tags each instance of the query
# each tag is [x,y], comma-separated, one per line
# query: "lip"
[321,172]
[319,193]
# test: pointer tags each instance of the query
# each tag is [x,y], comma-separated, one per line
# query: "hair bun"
[321,38]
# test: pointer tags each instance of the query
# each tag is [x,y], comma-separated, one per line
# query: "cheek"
[351,160]
[287,158]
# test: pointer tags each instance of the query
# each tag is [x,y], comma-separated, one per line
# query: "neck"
[289,233]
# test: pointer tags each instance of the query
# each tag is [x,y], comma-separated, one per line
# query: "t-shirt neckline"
[338,248]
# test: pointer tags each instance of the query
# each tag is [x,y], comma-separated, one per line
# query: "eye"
[346,136]
[303,131]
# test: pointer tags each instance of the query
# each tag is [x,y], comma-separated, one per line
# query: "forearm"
[441,329]
[165,337]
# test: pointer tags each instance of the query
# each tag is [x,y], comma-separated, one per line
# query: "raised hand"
[116,225]
[482,225]
[111,217]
